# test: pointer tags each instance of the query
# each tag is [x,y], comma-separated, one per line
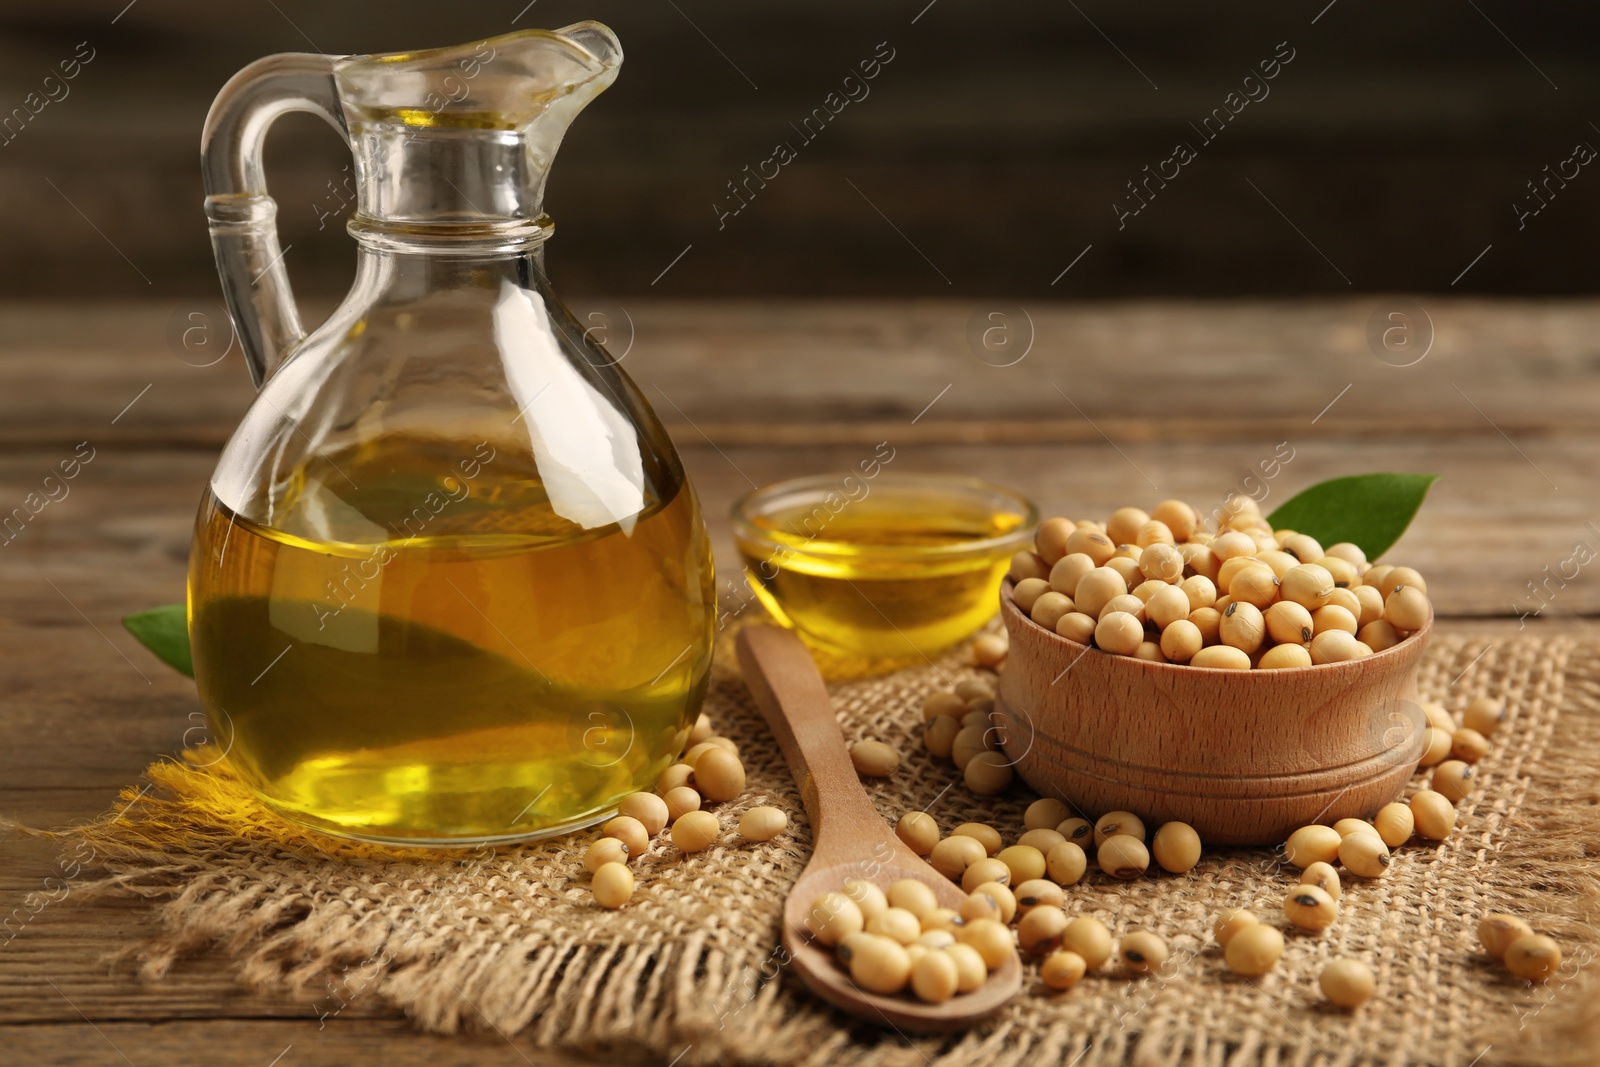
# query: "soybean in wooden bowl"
[1244,756]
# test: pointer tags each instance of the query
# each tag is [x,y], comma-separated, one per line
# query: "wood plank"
[337,1042]
[119,543]
[135,508]
[802,372]
[1490,525]
[70,942]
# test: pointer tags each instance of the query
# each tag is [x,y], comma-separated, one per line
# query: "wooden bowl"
[1245,757]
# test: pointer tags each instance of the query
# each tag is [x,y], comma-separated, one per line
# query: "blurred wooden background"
[1387,156]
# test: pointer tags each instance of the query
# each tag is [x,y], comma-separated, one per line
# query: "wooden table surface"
[1111,404]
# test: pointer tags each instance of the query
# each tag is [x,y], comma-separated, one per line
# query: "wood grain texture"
[338,1042]
[852,840]
[817,372]
[1245,757]
[1188,396]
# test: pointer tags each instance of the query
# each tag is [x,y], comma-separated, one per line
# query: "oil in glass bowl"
[478,669]
[892,568]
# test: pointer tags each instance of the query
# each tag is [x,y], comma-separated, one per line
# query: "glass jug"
[449,583]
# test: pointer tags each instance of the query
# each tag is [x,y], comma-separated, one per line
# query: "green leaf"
[1370,510]
[164,631]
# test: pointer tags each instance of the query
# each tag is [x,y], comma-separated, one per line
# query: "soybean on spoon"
[851,840]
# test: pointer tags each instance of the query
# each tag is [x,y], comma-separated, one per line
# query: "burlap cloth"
[512,940]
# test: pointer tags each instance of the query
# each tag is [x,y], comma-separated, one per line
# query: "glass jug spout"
[512,82]
[452,148]
[453,145]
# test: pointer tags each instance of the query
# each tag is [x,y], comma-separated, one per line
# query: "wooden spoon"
[851,840]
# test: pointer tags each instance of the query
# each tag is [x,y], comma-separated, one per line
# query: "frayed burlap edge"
[1562,1027]
[690,996]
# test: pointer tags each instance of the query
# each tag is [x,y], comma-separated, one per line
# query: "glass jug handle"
[242,217]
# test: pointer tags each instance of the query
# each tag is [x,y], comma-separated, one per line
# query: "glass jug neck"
[448,190]
[392,276]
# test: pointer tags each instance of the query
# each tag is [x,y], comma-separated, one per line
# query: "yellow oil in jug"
[487,670]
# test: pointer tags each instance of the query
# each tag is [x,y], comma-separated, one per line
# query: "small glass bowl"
[882,566]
